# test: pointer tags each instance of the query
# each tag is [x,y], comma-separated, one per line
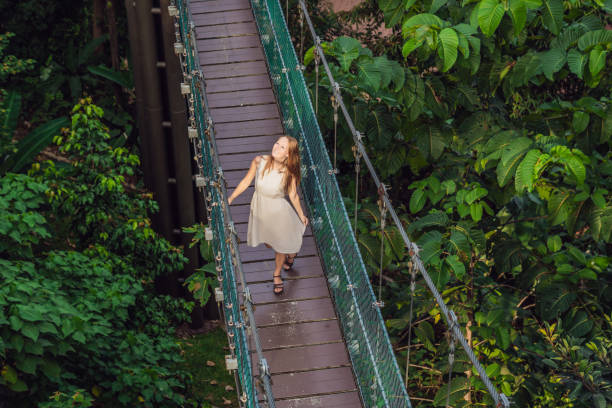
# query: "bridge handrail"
[227,254]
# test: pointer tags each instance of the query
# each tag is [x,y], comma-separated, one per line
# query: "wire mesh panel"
[374,364]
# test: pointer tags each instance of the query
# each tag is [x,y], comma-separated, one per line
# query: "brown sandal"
[289,264]
[278,286]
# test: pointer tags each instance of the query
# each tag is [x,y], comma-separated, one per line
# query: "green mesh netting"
[374,363]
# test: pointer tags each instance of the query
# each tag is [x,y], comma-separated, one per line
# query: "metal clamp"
[231,363]
[218,294]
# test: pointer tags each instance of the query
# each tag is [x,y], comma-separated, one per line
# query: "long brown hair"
[292,164]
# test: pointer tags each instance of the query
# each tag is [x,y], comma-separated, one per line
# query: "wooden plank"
[342,400]
[261,252]
[244,198]
[227,43]
[251,128]
[222,17]
[244,113]
[234,70]
[241,161]
[218,5]
[241,98]
[227,30]
[295,289]
[229,56]
[308,248]
[294,312]
[305,267]
[305,358]
[313,382]
[237,84]
[300,334]
[252,144]
[241,228]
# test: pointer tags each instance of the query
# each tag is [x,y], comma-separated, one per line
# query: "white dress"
[272,219]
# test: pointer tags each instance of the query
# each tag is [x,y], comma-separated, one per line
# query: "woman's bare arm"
[246,181]
[295,200]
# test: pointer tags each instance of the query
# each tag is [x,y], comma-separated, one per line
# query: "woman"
[272,221]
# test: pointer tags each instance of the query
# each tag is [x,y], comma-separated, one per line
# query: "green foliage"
[80,321]
[212,383]
[201,282]
[497,147]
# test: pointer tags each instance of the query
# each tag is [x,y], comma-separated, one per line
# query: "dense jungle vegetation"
[81,322]
[491,122]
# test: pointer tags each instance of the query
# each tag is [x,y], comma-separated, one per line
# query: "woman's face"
[280,150]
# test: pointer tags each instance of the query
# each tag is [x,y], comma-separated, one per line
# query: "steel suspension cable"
[500,399]
[412,287]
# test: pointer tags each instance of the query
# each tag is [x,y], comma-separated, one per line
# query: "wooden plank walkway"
[299,330]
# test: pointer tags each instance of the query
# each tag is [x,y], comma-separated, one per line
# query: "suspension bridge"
[324,342]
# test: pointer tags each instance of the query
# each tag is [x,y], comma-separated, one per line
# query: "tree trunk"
[112,33]
[97,20]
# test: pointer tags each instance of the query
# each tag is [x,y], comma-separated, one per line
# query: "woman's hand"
[304,220]
[230,199]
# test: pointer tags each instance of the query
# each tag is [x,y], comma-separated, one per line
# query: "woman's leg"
[279,261]
[289,259]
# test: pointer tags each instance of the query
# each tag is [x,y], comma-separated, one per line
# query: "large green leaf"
[369,74]
[567,37]
[436,219]
[559,206]
[394,10]
[579,324]
[525,172]
[423,19]
[505,170]
[601,224]
[597,60]
[32,144]
[580,121]
[464,45]
[12,105]
[430,141]
[447,48]
[561,302]
[345,49]
[526,67]
[417,201]
[458,388]
[436,4]
[386,68]
[555,60]
[459,242]
[594,38]
[490,13]
[576,62]
[474,55]
[411,45]
[517,146]
[518,14]
[552,15]
[120,78]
